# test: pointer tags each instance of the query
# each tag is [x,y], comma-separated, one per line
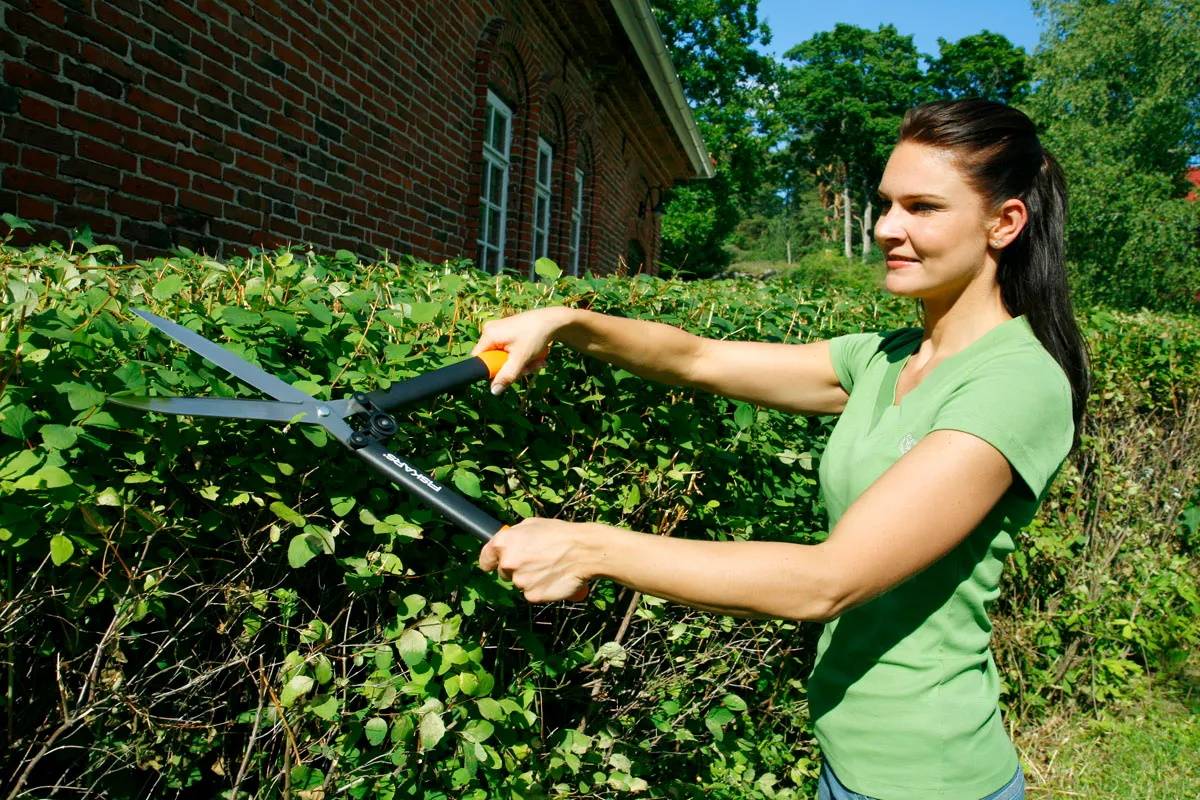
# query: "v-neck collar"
[886,398]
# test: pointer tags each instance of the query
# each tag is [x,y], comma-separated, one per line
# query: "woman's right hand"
[526,337]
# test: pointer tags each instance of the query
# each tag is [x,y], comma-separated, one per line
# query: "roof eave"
[638,21]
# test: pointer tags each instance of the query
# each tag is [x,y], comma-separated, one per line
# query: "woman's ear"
[1010,219]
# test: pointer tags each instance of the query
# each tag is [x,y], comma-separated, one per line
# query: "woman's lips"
[899,262]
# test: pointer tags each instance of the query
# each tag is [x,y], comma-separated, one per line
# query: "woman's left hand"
[542,557]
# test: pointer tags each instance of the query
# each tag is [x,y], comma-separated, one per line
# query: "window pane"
[497,185]
[493,227]
[499,133]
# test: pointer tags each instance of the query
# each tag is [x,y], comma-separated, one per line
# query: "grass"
[1146,750]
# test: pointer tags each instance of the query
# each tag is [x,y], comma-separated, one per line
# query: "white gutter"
[640,26]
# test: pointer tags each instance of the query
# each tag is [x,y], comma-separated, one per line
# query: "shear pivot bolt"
[322,411]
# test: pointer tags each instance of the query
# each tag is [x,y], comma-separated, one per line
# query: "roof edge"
[640,26]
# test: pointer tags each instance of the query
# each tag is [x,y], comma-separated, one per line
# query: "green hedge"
[236,609]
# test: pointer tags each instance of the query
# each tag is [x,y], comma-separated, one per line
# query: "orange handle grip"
[494,359]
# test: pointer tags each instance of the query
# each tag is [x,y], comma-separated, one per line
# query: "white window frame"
[542,195]
[577,221]
[491,248]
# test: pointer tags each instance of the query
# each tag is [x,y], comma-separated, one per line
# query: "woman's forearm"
[650,350]
[744,579]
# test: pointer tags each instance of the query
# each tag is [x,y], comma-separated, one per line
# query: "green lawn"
[1148,750]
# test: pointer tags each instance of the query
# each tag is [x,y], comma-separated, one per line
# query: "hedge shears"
[361,421]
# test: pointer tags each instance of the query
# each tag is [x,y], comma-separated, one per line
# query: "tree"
[983,65]
[730,86]
[1119,100]
[843,102]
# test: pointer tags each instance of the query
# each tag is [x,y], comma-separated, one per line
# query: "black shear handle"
[428,384]
[446,501]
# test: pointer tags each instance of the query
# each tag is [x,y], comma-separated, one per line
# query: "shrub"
[225,607]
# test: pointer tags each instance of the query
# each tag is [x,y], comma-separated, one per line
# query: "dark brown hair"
[998,151]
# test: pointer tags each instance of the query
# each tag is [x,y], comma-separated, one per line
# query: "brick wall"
[219,125]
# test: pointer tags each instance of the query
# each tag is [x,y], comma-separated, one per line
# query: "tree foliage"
[842,101]
[984,65]
[1118,96]
[730,86]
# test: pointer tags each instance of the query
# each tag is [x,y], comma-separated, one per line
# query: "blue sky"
[793,21]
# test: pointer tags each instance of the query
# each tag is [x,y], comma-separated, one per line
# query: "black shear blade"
[235,365]
[222,407]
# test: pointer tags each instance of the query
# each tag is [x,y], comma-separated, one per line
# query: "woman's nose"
[887,227]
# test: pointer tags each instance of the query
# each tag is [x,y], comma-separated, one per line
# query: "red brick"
[160,65]
[156,106]
[149,147]
[20,130]
[35,208]
[86,27]
[92,126]
[118,67]
[32,28]
[206,85]
[38,111]
[185,15]
[156,127]
[133,186]
[168,90]
[26,77]
[164,173]
[52,12]
[106,107]
[106,154]
[199,202]
[214,11]
[253,165]
[46,60]
[244,144]
[128,206]
[246,216]
[92,171]
[109,14]
[32,183]
[39,161]
[75,217]
[211,188]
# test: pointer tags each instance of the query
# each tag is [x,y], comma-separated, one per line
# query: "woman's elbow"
[821,597]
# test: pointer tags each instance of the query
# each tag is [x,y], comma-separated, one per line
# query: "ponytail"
[1001,157]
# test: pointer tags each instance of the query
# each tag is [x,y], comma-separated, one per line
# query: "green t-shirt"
[904,694]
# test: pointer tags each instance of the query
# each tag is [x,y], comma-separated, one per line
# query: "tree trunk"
[847,218]
[866,229]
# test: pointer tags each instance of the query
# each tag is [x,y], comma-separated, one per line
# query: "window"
[577,223]
[541,201]
[493,195]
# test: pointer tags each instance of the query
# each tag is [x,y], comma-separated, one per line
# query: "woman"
[948,438]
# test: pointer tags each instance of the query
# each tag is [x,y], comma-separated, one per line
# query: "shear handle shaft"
[441,380]
[441,498]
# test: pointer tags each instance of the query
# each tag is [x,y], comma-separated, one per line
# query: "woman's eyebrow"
[937,198]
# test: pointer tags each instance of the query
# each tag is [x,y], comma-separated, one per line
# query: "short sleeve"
[850,354]
[1020,403]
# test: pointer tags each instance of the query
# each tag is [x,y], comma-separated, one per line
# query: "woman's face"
[933,227]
